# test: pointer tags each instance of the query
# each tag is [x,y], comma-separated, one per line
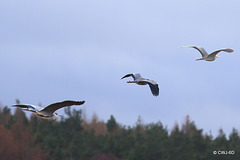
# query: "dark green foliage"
[111,124]
[72,138]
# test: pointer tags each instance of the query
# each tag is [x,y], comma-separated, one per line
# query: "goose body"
[208,57]
[143,81]
[48,112]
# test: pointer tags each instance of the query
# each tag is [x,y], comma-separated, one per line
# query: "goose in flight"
[205,55]
[48,112]
[142,81]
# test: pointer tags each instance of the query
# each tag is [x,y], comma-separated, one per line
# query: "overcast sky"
[55,50]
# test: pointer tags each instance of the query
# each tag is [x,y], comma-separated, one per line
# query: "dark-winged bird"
[143,81]
[48,112]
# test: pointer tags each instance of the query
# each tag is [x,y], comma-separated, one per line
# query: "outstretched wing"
[55,106]
[200,49]
[228,50]
[133,75]
[153,86]
[27,106]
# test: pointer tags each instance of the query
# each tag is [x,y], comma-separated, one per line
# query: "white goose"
[206,56]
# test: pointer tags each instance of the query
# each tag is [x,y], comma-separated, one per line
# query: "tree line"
[74,138]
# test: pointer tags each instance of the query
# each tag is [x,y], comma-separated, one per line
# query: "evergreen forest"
[72,137]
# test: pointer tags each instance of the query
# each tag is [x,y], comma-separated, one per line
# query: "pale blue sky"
[57,50]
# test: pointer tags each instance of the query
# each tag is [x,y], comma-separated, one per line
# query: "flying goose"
[48,111]
[205,55]
[142,81]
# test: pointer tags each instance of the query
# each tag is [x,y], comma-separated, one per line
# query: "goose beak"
[58,115]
